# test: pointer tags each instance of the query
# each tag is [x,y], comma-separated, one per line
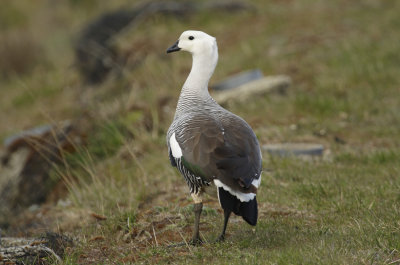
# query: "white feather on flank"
[243,197]
[175,148]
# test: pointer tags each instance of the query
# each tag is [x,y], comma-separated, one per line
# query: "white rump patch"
[175,148]
[243,197]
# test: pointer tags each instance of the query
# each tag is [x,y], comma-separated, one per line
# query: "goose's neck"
[202,70]
[196,85]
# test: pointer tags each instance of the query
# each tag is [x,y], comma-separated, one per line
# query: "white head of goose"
[209,144]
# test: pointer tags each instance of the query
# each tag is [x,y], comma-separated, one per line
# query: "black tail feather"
[248,210]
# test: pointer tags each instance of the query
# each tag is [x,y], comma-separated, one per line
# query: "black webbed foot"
[220,239]
[196,241]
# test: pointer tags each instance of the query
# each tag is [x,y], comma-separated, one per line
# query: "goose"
[210,145]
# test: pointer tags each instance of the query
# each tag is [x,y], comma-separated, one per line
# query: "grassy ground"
[343,57]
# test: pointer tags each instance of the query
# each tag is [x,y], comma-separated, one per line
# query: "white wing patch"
[256,182]
[243,197]
[175,148]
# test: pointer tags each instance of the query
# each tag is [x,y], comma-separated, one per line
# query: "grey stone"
[37,131]
[269,84]
[238,80]
[296,149]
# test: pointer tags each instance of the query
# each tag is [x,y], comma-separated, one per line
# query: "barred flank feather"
[194,182]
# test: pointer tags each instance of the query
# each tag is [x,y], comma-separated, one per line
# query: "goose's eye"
[191,38]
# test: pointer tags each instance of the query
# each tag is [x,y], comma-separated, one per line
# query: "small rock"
[297,149]
[33,207]
[238,80]
[293,127]
[258,87]
[64,203]
[38,131]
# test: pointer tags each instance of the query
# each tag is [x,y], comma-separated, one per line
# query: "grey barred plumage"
[194,182]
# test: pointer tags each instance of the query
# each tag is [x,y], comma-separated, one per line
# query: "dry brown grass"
[19,53]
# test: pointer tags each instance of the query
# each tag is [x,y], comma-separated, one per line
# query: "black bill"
[174,48]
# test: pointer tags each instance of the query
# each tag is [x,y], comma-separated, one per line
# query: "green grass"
[341,209]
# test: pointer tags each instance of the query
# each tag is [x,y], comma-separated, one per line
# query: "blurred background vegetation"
[343,58]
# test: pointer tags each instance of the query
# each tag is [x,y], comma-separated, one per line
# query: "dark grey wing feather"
[226,149]
[240,156]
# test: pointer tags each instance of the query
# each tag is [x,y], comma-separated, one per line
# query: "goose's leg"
[197,209]
[227,213]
